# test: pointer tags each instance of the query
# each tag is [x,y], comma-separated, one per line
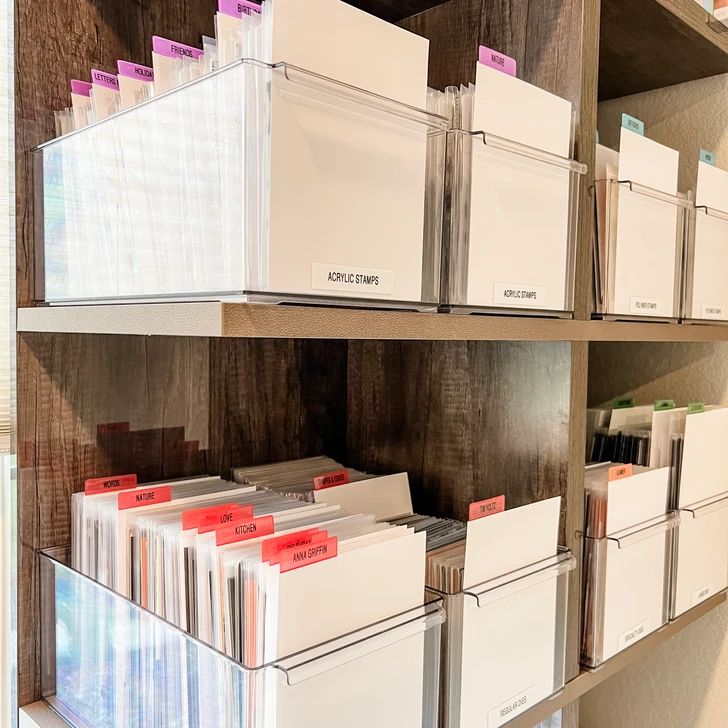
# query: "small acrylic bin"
[263,182]
[706,287]
[107,662]
[638,253]
[626,587]
[504,644]
[700,559]
[512,224]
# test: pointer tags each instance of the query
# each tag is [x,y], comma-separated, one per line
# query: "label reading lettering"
[134,70]
[93,486]
[519,295]
[712,311]
[145,497]
[664,404]
[330,480]
[696,407]
[331,277]
[273,548]
[106,80]
[701,594]
[511,708]
[499,61]
[634,634]
[238,8]
[488,507]
[644,306]
[633,124]
[707,157]
[311,554]
[623,403]
[172,49]
[620,471]
[247,529]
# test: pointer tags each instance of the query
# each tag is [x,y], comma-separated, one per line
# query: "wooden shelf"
[589,679]
[648,44]
[394,10]
[261,321]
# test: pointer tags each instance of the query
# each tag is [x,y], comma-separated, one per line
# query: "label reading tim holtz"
[330,277]
[634,634]
[511,708]
[516,294]
[645,306]
[711,311]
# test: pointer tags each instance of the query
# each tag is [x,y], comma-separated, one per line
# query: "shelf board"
[589,679]
[648,44]
[244,320]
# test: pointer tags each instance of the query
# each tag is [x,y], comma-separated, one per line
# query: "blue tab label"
[635,125]
[707,157]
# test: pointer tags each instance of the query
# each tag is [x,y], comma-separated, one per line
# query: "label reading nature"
[306,555]
[633,124]
[331,480]
[664,404]
[146,497]
[623,403]
[634,634]
[93,486]
[511,708]
[486,507]
[519,295]
[330,277]
[696,407]
[499,61]
[644,306]
[620,471]
[250,528]
[712,311]
[707,157]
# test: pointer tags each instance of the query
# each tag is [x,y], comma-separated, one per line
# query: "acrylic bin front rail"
[255,179]
[705,289]
[638,250]
[504,644]
[626,587]
[107,662]
[512,226]
[700,561]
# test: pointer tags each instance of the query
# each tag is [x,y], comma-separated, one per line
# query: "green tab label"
[695,407]
[664,404]
[635,125]
[623,403]
[707,157]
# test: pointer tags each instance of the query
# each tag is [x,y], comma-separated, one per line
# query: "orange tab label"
[247,529]
[620,471]
[94,486]
[146,497]
[329,480]
[486,507]
[311,554]
[274,547]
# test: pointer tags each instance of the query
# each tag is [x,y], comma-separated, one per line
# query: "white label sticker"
[330,277]
[644,306]
[515,294]
[634,634]
[701,595]
[511,708]
[712,311]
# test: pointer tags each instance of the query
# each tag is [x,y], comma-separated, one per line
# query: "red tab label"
[94,486]
[197,517]
[274,547]
[484,508]
[229,517]
[330,480]
[146,497]
[620,471]
[311,554]
[250,528]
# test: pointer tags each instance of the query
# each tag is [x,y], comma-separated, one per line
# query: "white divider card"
[81,103]
[171,61]
[386,497]
[136,83]
[710,255]
[606,164]
[519,211]
[508,644]
[104,94]
[646,254]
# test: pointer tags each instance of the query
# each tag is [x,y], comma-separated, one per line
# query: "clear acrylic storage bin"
[626,587]
[706,287]
[107,662]
[266,182]
[638,251]
[513,220]
[504,644]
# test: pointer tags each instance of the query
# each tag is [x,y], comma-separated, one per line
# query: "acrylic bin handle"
[705,507]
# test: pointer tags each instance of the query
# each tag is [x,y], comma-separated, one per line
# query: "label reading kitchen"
[330,277]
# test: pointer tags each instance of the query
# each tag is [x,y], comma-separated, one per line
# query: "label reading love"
[94,486]
[228,517]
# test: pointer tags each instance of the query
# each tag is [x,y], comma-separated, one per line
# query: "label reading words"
[701,594]
[250,528]
[486,507]
[620,471]
[330,277]
[712,311]
[516,294]
[499,61]
[93,486]
[634,634]
[644,306]
[512,707]
[331,480]
[146,497]
[312,554]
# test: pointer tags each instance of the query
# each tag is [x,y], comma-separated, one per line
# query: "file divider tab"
[144,497]
[633,124]
[486,507]
[499,61]
[93,486]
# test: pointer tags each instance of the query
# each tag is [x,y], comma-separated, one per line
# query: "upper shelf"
[648,44]
[243,320]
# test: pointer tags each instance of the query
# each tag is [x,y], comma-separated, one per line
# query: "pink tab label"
[196,517]
[273,548]
[229,517]
[172,49]
[81,88]
[486,507]
[250,528]
[105,80]
[330,480]
[499,61]
[620,471]
[93,486]
[238,8]
[146,497]
[134,70]
[311,554]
